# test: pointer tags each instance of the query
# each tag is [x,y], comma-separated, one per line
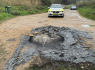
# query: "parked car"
[56,10]
[73,8]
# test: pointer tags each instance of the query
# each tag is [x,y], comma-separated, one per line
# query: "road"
[12,30]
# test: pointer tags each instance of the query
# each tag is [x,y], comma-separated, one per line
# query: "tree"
[46,2]
[56,1]
[68,1]
[65,1]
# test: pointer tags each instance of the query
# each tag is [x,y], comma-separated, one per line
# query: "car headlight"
[62,10]
[50,11]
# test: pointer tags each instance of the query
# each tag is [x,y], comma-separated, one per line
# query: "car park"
[56,10]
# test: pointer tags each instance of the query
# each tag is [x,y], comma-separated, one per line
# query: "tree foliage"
[56,1]
[69,1]
[46,2]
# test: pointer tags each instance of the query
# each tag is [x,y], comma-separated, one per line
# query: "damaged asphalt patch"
[55,43]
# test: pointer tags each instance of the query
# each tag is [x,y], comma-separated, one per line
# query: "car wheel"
[63,16]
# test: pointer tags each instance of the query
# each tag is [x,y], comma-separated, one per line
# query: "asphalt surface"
[70,48]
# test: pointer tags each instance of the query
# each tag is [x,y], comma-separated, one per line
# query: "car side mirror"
[48,7]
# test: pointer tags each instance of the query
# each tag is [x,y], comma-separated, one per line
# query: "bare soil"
[12,30]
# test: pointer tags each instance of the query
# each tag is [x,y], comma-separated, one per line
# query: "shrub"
[87,12]
[46,2]
[85,3]
[87,9]
[21,11]
[4,16]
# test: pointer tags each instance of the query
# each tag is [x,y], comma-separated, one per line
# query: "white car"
[56,10]
[73,8]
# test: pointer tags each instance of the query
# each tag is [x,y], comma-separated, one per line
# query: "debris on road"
[85,25]
[55,43]
[13,39]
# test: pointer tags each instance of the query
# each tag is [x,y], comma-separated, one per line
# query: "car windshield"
[56,6]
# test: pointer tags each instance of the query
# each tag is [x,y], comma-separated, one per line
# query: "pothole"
[46,39]
[55,44]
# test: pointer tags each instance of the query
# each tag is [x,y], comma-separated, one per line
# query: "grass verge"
[21,11]
[67,7]
[92,25]
[5,16]
[87,9]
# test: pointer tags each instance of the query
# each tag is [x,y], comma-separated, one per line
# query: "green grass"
[87,12]
[5,16]
[21,11]
[87,9]
[92,25]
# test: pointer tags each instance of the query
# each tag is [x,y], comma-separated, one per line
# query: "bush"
[2,9]
[85,3]
[46,2]
[26,11]
[21,11]
[87,9]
